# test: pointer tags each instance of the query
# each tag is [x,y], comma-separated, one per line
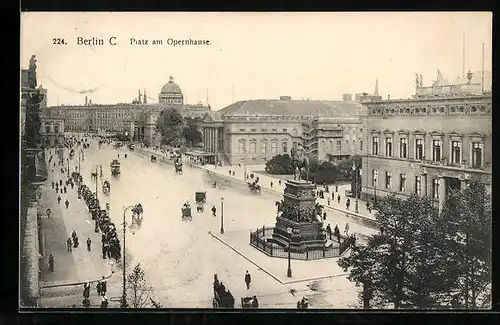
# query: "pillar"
[442,192]
[216,140]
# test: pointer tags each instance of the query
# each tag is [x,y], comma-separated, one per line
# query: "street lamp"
[124,303]
[222,215]
[354,169]
[67,160]
[289,271]
[96,181]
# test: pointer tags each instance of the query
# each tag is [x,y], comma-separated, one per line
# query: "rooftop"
[293,107]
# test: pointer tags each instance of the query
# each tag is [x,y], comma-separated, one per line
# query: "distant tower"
[86,101]
[145,100]
[139,97]
[376,88]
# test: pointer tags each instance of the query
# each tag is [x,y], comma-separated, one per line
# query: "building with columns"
[254,131]
[137,118]
[52,129]
[428,144]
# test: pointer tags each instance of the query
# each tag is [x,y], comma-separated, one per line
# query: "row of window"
[437,150]
[339,145]
[263,146]
[56,128]
[402,183]
[171,100]
[265,130]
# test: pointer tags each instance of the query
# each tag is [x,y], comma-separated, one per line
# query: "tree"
[191,133]
[322,172]
[170,124]
[138,288]
[280,165]
[400,266]
[465,222]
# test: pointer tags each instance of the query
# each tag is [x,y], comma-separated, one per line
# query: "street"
[179,256]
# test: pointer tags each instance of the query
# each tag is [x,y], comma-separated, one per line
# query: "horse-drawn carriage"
[186,211]
[131,146]
[106,187]
[137,214]
[153,158]
[254,186]
[222,298]
[201,199]
[118,144]
[115,167]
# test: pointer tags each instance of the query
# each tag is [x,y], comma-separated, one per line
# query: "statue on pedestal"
[32,72]
[300,162]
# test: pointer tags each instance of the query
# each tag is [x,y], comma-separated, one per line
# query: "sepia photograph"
[256,160]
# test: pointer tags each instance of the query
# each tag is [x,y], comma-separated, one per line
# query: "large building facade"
[248,132]
[137,119]
[427,145]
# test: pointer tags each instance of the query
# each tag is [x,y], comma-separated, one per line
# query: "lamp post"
[222,215]
[354,169]
[289,271]
[67,160]
[96,191]
[79,166]
[124,303]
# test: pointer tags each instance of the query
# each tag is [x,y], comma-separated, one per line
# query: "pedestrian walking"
[255,302]
[271,184]
[233,172]
[347,203]
[99,288]
[336,188]
[329,231]
[64,188]
[48,212]
[89,244]
[69,243]
[248,279]
[368,207]
[53,184]
[230,172]
[324,215]
[279,182]
[72,185]
[86,290]
[338,198]
[346,229]
[60,182]
[214,210]
[336,233]
[51,263]
[104,302]
[59,199]
[66,203]
[103,286]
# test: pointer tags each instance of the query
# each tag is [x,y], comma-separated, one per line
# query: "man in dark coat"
[336,233]
[214,210]
[329,231]
[248,279]
[89,244]
[69,243]
[51,263]
[66,203]
[59,199]
[103,286]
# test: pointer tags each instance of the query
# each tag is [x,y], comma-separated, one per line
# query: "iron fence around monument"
[258,240]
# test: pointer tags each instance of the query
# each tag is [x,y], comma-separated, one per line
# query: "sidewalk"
[78,266]
[265,182]
[276,267]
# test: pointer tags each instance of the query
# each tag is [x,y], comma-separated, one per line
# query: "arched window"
[263,146]
[241,146]
[253,146]
[274,146]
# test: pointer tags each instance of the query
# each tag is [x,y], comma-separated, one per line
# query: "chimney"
[145,101]
[86,101]
[139,97]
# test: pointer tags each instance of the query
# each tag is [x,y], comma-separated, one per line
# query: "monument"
[298,212]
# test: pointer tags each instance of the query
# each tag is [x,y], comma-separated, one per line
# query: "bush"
[280,165]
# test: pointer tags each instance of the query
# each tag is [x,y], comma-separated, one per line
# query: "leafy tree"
[322,172]
[280,165]
[400,266]
[138,288]
[191,133]
[465,224]
[170,124]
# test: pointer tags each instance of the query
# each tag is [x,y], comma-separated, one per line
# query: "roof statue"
[32,72]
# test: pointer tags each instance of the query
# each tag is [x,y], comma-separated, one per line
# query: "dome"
[171,87]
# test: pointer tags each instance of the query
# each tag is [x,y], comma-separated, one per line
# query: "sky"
[251,55]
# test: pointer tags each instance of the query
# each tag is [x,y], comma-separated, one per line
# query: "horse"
[300,162]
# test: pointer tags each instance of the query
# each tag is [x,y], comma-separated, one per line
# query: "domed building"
[171,94]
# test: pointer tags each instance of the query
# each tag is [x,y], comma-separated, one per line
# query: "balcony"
[445,163]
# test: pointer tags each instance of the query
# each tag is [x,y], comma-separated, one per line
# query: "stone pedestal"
[299,213]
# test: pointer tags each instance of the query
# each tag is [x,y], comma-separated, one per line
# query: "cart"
[249,302]
[115,167]
[153,158]
[200,199]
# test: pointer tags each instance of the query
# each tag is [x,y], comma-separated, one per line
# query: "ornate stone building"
[254,131]
[430,143]
[136,119]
